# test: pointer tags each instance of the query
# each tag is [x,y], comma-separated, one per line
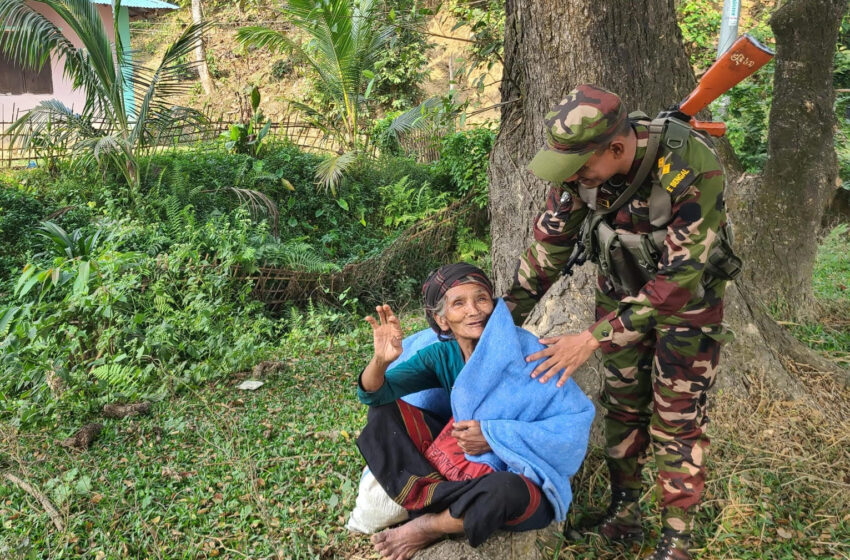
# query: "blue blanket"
[538,430]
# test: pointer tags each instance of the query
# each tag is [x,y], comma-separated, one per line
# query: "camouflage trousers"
[655,390]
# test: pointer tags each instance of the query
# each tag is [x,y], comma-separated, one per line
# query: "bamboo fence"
[288,127]
[419,144]
[425,245]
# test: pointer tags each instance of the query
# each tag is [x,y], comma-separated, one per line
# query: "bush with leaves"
[406,203]
[248,136]
[382,136]
[402,68]
[18,212]
[699,21]
[105,307]
[465,157]
[485,20]
[118,324]
[746,116]
[22,210]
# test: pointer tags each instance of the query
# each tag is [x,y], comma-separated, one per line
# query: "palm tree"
[346,39]
[107,130]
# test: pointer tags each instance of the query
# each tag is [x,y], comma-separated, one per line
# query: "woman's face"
[468,307]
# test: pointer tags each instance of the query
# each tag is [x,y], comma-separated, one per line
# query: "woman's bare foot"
[403,542]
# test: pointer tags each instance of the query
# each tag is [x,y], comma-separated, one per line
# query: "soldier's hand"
[567,352]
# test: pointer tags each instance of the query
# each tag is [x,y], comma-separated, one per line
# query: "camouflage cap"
[582,123]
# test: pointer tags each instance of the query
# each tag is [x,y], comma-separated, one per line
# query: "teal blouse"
[437,365]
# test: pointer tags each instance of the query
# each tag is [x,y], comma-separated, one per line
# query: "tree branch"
[42,499]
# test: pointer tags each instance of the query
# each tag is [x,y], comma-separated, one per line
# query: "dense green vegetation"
[132,277]
[120,300]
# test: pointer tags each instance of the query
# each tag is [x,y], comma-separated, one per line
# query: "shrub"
[380,136]
[699,21]
[403,65]
[747,118]
[281,68]
[19,212]
[465,157]
[141,306]
[121,324]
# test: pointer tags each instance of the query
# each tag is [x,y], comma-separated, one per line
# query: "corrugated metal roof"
[149,4]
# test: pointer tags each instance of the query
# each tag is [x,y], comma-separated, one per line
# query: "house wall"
[11,106]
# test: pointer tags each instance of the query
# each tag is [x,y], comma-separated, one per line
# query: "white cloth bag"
[374,509]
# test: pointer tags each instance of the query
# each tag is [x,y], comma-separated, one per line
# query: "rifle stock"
[744,57]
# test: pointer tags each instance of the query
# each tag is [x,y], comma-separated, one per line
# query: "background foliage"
[155,304]
[132,300]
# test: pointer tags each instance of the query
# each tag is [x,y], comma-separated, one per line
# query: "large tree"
[635,49]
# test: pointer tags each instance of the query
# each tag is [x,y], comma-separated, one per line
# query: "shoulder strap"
[656,130]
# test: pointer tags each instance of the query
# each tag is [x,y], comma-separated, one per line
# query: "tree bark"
[200,51]
[780,220]
[550,47]
[635,50]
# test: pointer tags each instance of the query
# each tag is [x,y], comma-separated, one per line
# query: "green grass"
[220,472]
[831,285]
[831,281]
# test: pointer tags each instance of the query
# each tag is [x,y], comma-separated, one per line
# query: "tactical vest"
[630,260]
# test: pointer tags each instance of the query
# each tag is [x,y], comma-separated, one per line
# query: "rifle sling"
[656,131]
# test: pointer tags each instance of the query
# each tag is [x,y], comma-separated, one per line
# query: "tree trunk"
[200,52]
[550,47]
[780,220]
[635,50]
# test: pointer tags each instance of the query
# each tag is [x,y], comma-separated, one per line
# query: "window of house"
[15,79]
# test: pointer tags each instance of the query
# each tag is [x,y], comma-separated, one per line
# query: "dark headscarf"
[445,278]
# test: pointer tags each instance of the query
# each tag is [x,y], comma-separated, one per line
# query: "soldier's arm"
[698,212]
[555,233]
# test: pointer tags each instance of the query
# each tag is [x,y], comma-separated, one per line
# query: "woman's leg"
[494,501]
[403,542]
[392,444]
[501,500]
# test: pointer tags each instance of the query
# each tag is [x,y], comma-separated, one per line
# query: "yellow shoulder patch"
[664,164]
[674,174]
[677,179]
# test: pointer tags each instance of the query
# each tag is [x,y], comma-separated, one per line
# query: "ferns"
[180,219]
[123,379]
[7,316]
[295,254]
[162,302]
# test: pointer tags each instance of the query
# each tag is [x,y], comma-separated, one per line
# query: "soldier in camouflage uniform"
[670,322]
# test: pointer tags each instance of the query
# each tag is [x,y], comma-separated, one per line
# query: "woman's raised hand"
[387,335]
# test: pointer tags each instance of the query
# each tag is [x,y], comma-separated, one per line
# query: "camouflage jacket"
[678,294]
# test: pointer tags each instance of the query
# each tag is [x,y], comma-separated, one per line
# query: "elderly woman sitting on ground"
[505,463]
